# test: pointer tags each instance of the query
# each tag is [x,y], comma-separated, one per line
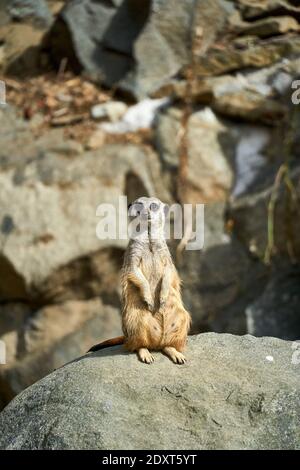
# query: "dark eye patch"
[135,209]
[154,207]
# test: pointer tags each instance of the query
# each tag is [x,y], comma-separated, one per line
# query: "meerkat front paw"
[145,356]
[176,356]
[162,303]
[149,302]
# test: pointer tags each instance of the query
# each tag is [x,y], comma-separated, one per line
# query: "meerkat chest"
[152,266]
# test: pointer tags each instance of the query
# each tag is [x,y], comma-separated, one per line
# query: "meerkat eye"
[154,206]
[139,207]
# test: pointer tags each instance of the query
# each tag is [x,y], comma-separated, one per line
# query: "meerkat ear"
[166,209]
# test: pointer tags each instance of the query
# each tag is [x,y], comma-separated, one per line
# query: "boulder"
[250,106]
[254,218]
[276,311]
[36,10]
[221,280]
[270,26]
[39,341]
[265,213]
[23,26]
[210,171]
[20,49]
[225,159]
[259,96]
[260,86]
[136,45]
[253,9]
[48,202]
[231,56]
[262,96]
[233,393]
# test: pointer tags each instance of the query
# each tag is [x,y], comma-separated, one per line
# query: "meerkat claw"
[145,356]
[176,356]
[180,359]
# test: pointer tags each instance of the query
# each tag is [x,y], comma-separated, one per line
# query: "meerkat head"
[150,211]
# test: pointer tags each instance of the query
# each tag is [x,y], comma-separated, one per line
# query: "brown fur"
[153,315]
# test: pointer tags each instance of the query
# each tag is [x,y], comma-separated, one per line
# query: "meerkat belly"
[152,268]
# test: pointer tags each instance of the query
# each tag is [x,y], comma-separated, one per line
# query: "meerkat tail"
[109,342]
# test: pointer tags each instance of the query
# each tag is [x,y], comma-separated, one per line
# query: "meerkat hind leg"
[145,356]
[174,355]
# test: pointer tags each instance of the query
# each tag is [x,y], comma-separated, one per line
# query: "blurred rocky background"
[190,101]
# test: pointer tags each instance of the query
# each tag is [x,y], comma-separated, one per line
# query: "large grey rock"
[270,26]
[221,280]
[251,10]
[276,311]
[253,54]
[23,25]
[39,341]
[38,10]
[259,96]
[233,393]
[251,213]
[20,52]
[137,45]
[210,166]
[48,200]
[265,214]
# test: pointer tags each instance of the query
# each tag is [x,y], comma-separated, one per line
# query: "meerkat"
[153,315]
